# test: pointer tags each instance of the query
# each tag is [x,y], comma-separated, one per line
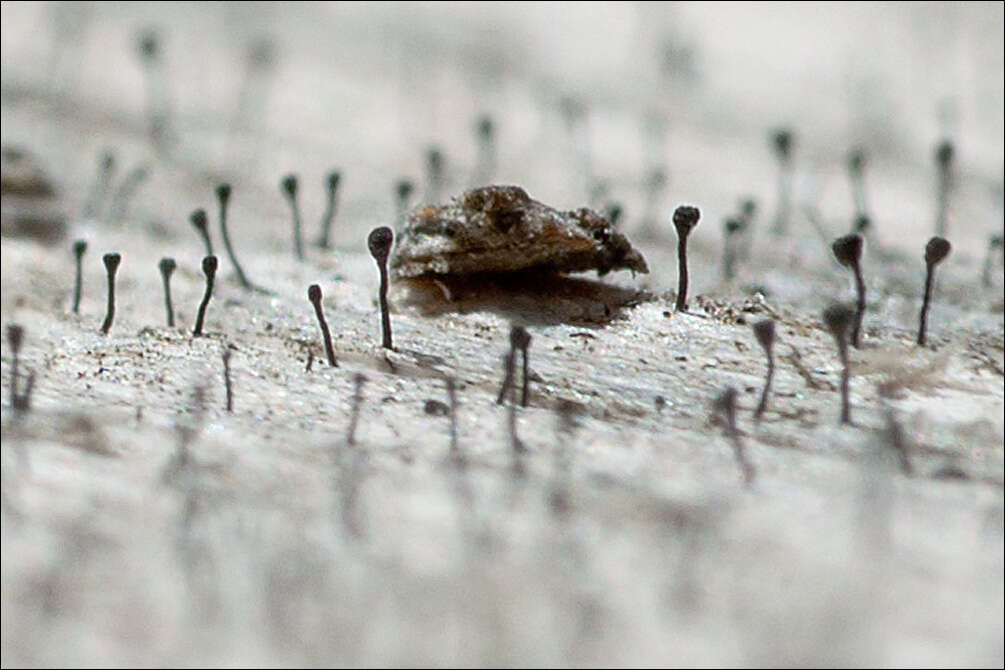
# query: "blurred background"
[643,104]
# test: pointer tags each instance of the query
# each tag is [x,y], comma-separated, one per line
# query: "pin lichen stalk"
[111,262]
[223,196]
[944,154]
[782,141]
[685,218]
[331,203]
[725,406]
[79,249]
[848,251]
[289,187]
[200,222]
[167,267]
[764,331]
[314,296]
[209,265]
[935,252]
[379,242]
[838,318]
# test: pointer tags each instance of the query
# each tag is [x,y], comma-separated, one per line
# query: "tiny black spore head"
[15,337]
[148,45]
[936,250]
[944,152]
[404,188]
[289,186]
[748,207]
[111,262]
[782,140]
[261,52]
[209,265]
[167,266]
[838,318]
[333,179]
[379,241]
[862,223]
[434,161]
[107,161]
[685,218]
[485,127]
[856,161]
[198,219]
[764,331]
[848,249]
[995,242]
[314,294]
[223,192]
[614,213]
[731,226]
[79,247]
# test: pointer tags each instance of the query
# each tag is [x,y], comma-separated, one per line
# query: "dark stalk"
[519,340]
[157,103]
[223,195]
[516,444]
[379,241]
[522,342]
[314,295]
[897,441]
[944,154]
[111,262]
[838,318]
[732,229]
[127,189]
[748,209]
[935,252]
[509,369]
[209,264]
[485,130]
[199,221]
[15,338]
[434,175]
[685,218]
[764,331]
[848,251]
[725,406]
[106,168]
[79,249]
[856,173]
[994,249]
[331,203]
[403,190]
[782,141]
[455,450]
[226,378]
[615,211]
[288,185]
[567,413]
[167,267]
[357,402]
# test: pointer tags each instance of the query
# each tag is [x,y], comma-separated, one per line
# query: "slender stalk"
[167,267]
[79,248]
[314,295]
[685,218]
[111,262]
[209,265]
[223,195]
[379,242]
